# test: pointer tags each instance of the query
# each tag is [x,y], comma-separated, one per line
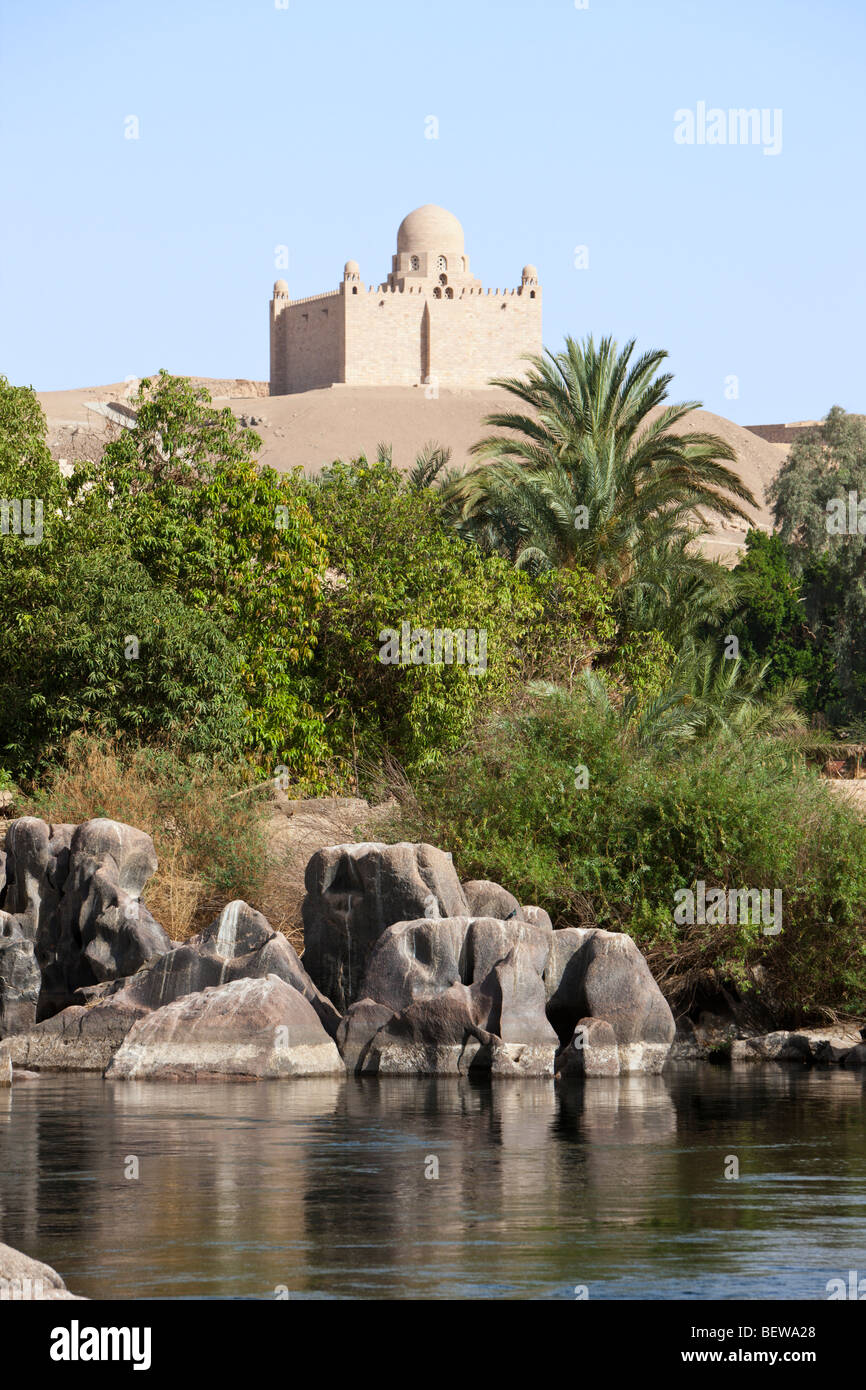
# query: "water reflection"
[397,1187]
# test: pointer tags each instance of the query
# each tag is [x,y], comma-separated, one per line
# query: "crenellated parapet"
[431,319]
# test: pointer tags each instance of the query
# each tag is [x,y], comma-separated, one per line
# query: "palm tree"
[595,468]
[676,590]
[708,696]
[431,466]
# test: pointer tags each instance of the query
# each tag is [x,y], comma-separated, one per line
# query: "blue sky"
[305,126]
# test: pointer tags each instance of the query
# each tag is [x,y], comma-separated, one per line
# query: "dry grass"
[211,846]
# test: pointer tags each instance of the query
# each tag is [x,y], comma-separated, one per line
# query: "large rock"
[29,1280]
[418,960]
[249,1030]
[354,892]
[20,982]
[80,1038]
[592,1051]
[488,899]
[496,1024]
[781,1046]
[101,931]
[592,973]
[239,944]
[37,863]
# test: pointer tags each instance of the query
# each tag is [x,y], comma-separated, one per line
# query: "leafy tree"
[593,466]
[232,540]
[94,646]
[394,561]
[812,495]
[772,625]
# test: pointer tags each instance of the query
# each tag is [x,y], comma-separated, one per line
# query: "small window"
[354,289]
[532,294]
[415,264]
[442,264]
[437,293]
[449,293]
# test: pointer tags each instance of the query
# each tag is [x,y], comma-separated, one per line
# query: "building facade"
[430,324]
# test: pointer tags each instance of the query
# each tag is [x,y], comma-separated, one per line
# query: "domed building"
[430,324]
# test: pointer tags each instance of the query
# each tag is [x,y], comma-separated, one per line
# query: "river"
[611,1189]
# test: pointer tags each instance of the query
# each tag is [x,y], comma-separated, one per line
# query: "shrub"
[651,821]
[394,559]
[211,844]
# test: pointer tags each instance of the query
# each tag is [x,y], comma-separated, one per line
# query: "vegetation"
[659,813]
[595,465]
[609,716]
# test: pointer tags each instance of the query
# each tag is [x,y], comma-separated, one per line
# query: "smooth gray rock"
[592,973]
[20,982]
[80,1038]
[354,892]
[536,916]
[251,1029]
[773,1047]
[856,1058]
[358,1027]
[488,899]
[100,929]
[37,862]
[418,960]
[496,1025]
[592,1051]
[239,944]
[26,1280]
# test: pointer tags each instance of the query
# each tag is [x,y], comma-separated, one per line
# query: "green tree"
[233,540]
[816,496]
[594,465]
[395,560]
[772,626]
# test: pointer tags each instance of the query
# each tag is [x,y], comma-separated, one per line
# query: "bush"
[652,821]
[211,844]
[394,559]
[183,492]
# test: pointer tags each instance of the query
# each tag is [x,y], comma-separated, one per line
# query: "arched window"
[442,264]
[415,263]
[437,293]
[449,293]
[443,279]
[354,289]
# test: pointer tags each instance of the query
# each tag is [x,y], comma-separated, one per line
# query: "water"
[318,1187]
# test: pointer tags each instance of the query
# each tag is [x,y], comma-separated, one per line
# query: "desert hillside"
[312,428]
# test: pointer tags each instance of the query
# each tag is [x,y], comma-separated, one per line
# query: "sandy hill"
[312,428]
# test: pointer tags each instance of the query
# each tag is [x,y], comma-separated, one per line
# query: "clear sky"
[261,126]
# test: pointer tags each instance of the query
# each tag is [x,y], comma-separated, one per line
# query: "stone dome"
[530,272]
[351,268]
[280,287]
[430,228]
